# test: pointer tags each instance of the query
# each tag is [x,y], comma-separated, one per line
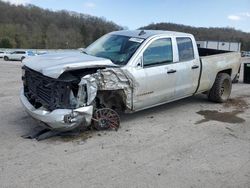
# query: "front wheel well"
[114,99]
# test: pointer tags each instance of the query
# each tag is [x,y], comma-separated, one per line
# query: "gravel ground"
[188,143]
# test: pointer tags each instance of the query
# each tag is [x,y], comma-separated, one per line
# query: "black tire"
[6,58]
[221,89]
[22,58]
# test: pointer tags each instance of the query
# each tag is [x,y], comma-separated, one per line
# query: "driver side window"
[158,52]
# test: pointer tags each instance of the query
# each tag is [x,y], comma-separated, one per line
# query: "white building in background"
[219,45]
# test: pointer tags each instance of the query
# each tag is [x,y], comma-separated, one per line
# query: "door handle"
[171,71]
[195,67]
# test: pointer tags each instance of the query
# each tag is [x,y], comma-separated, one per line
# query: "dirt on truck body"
[123,71]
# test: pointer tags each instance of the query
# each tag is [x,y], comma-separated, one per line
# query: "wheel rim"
[106,118]
[225,89]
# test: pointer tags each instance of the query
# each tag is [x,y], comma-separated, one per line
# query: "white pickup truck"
[123,71]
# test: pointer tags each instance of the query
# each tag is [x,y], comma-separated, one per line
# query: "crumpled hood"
[54,64]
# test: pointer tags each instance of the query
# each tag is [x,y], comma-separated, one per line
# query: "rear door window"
[185,48]
[19,52]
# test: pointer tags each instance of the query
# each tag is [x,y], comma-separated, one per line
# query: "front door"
[155,79]
[14,55]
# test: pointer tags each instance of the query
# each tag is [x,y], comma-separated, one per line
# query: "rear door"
[21,54]
[13,55]
[187,68]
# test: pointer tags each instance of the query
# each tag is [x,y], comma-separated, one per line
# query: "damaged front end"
[62,104]
[76,98]
[118,85]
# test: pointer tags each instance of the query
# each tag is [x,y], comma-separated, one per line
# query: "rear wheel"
[221,89]
[6,58]
[22,58]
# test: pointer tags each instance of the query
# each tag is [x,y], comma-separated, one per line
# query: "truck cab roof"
[144,34]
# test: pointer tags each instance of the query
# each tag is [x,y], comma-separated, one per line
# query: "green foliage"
[5,43]
[201,33]
[33,27]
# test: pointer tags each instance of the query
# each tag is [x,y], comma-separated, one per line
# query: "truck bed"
[214,61]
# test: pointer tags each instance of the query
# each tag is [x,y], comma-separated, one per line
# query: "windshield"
[119,49]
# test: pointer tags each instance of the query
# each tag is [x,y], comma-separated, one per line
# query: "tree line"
[201,33]
[33,27]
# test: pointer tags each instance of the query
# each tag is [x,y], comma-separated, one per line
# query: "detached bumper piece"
[46,133]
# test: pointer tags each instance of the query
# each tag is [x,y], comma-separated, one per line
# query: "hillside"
[33,27]
[201,33]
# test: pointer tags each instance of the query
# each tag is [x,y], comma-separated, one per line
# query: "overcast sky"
[137,13]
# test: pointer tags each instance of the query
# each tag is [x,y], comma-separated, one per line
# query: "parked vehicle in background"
[220,45]
[41,52]
[18,55]
[123,71]
[245,54]
[2,54]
